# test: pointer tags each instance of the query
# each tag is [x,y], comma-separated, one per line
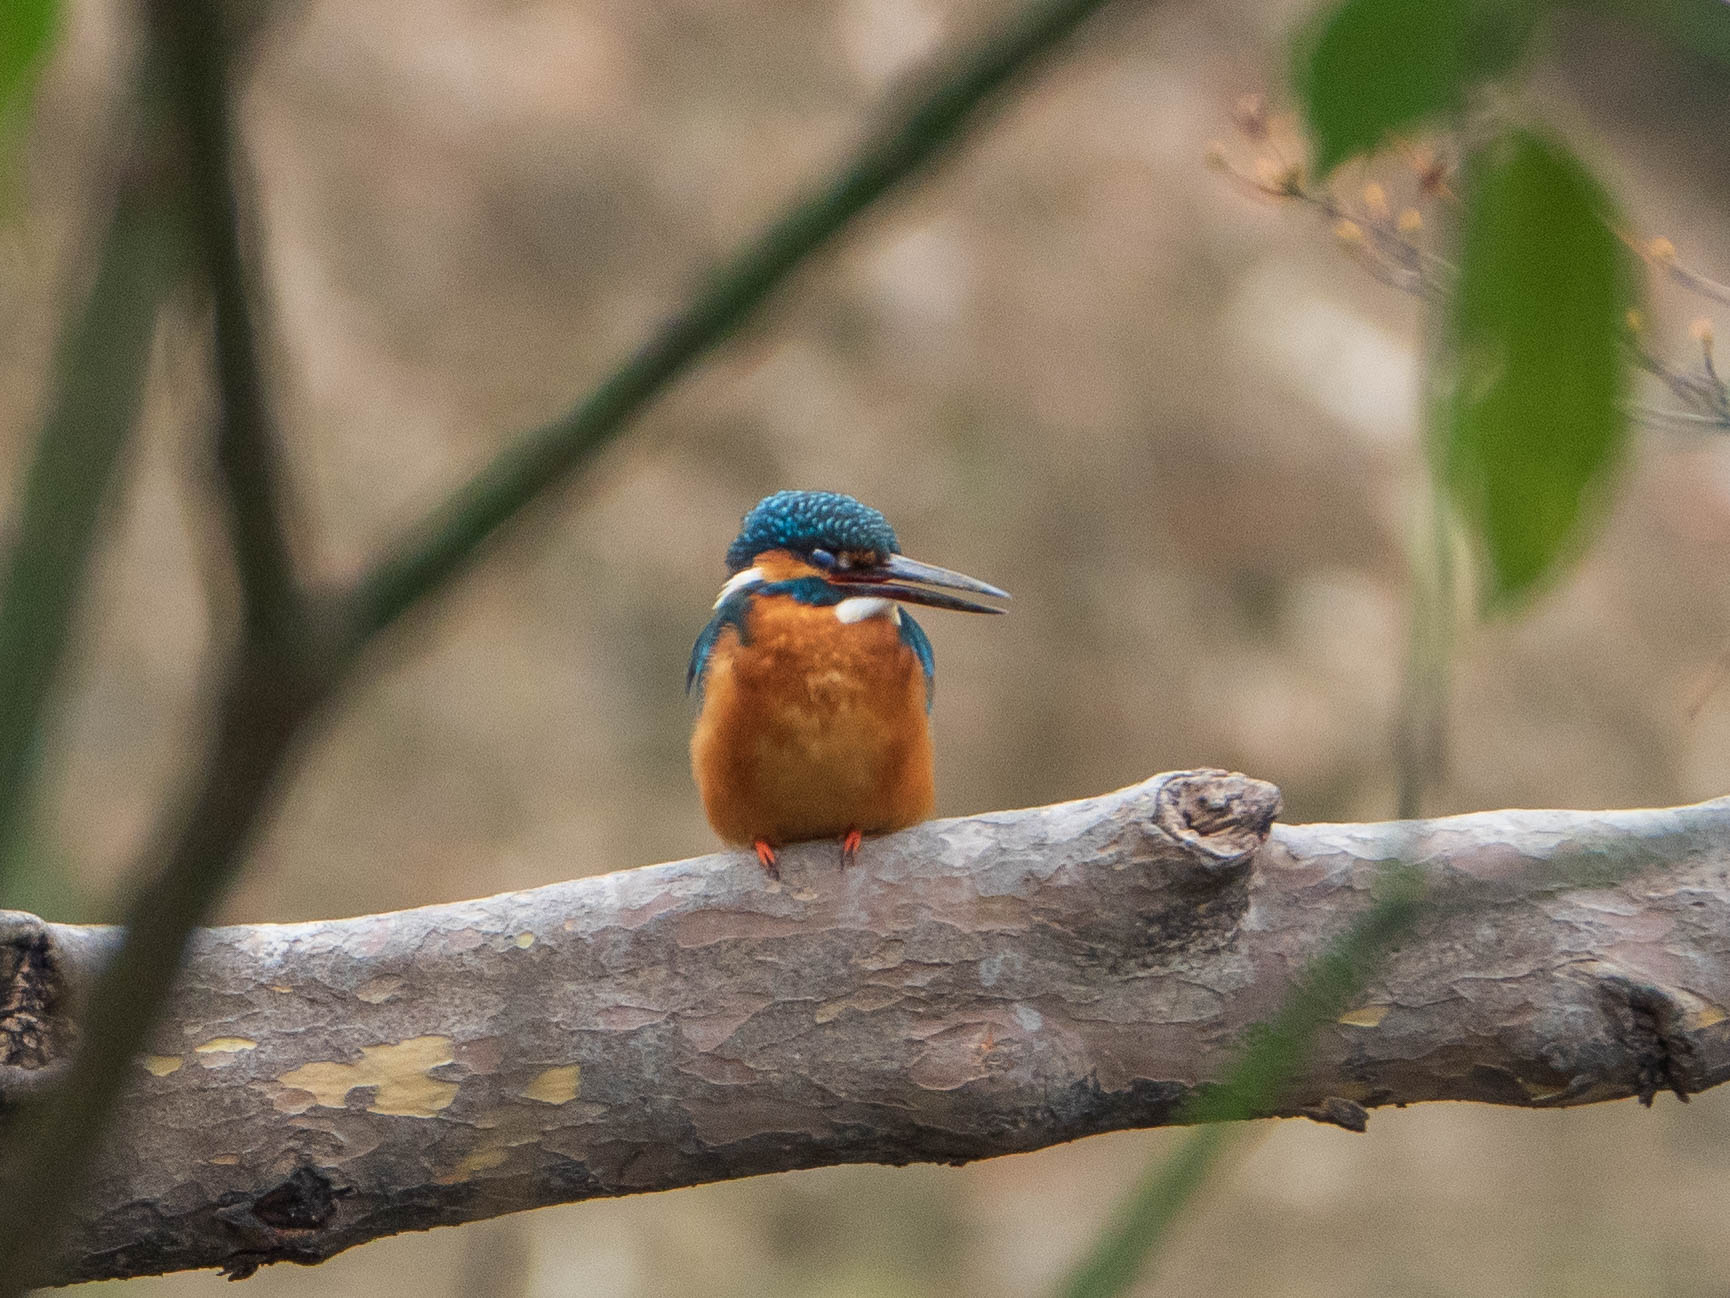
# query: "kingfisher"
[815,684]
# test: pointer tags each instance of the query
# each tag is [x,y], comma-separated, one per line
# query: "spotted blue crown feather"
[802,521]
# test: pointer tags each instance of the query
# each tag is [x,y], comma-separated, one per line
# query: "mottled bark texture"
[969,988]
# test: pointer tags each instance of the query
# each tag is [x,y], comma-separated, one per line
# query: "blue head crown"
[803,521]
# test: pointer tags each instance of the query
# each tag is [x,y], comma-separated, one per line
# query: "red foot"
[850,846]
[766,858]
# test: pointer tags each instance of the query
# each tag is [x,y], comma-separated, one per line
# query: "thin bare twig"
[247,453]
[446,541]
[1380,245]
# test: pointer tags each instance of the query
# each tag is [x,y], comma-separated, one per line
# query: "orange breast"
[812,728]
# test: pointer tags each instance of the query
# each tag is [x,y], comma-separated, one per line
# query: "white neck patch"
[738,582]
[856,608]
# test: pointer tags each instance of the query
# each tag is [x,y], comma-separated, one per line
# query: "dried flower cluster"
[1389,240]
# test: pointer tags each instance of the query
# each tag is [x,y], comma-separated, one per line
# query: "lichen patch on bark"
[1365,1016]
[558,1085]
[401,1072]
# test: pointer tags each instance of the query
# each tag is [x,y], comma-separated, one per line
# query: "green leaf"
[26,29]
[1370,67]
[1700,25]
[102,365]
[1533,370]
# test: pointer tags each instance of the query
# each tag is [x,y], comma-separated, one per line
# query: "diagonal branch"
[971,988]
[273,685]
[247,455]
[447,540]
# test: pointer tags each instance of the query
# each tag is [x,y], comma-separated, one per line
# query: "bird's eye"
[822,559]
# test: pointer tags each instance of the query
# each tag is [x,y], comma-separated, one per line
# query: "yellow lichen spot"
[555,1086]
[1410,222]
[1662,251]
[1366,1016]
[1536,1092]
[399,1071]
[1701,329]
[225,1046]
[479,1161]
[1704,1017]
[1348,231]
[525,940]
[161,1065]
[1376,201]
[276,987]
[1635,320]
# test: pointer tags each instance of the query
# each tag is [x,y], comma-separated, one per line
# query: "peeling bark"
[970,988]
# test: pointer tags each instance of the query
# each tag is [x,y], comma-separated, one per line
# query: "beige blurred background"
[1177,422]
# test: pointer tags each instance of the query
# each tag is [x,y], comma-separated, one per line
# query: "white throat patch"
[856,608]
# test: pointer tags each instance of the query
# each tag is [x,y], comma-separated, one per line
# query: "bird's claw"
[850,847]
[766,858]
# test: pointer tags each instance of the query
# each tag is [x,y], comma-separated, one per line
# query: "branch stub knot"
[1222,817]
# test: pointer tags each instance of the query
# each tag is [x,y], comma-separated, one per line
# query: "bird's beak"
[888,580]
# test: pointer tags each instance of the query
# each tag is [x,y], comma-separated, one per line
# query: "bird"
[814,682]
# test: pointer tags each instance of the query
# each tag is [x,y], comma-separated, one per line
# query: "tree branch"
[971,988]
[194,55]
[446,541]
[274,683]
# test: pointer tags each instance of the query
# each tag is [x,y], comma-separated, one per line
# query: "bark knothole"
[279,1225]
[1651,1023]
[1222,817]
[30,994]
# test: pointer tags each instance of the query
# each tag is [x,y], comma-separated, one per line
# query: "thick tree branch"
[971,988]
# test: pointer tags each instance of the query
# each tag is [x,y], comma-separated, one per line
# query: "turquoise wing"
[913,636]
[729,613]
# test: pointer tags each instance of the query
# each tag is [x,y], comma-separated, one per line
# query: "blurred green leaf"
[26,29]
[1533,368]
[41,878]
[101,366]
[1371,67]
[1700,25]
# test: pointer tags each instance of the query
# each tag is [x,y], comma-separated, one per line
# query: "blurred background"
[1174,419]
